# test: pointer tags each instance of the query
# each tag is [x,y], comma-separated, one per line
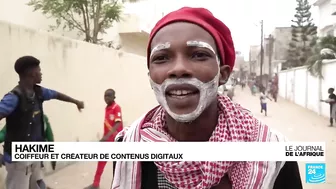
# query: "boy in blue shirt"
[23,109]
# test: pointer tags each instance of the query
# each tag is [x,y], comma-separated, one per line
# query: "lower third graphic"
[315,173]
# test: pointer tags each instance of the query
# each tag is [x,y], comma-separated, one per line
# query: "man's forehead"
[109,92]
[180,32]
[186,44]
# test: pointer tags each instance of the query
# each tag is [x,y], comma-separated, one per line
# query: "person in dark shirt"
[26,94]
[332,102]
[49,137]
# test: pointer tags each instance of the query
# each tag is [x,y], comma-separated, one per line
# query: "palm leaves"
[315,62]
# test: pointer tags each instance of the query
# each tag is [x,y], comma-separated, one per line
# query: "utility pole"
[270,55]
[250,61]
[261,49]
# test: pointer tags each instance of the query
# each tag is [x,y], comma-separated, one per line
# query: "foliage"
[303,33]
[89,17]
[314,62]
[130,1]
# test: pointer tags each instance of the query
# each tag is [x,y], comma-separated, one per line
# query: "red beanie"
[205,19]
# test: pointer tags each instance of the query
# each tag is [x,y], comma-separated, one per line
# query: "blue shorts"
[264,106]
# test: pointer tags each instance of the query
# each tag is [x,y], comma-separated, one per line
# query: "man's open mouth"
[181,91]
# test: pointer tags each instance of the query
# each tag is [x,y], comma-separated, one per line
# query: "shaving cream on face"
[159,47]
[208,91]
[202,44]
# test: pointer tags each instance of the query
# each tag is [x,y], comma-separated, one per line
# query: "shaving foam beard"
[208,93]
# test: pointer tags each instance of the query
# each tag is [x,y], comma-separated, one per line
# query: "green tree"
[130,1]
[89,17]
[303,33]
[314,62]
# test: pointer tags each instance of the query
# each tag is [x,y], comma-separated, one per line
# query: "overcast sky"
[243,16]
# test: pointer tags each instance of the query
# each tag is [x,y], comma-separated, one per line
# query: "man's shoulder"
[269,134]
[41,88]
[127,132]
[260,132]
[15,91]
[333,96]
[115,106]
[12,95]
[137,124]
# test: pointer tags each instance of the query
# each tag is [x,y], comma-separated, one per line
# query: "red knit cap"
[205,19]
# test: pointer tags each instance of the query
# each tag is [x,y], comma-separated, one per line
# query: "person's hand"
[321,100]
[80,105]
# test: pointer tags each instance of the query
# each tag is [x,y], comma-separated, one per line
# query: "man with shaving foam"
[190,53]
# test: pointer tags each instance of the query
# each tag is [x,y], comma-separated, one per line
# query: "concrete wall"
[298,86]
[81,70]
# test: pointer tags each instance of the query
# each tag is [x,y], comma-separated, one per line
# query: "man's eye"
[160,59]
[200,55]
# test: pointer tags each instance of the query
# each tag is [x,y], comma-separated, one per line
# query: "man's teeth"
[180,92]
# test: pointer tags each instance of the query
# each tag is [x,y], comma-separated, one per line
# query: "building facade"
[253,59]
[282,38]
[327,18]
[275,52]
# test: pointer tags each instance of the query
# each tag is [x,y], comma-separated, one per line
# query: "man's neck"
[29,86]
[200,129]
[110,104]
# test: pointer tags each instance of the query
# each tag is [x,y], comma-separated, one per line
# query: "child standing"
[263,101]
[332,102]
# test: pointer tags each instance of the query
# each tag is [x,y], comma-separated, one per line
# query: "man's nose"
[181,68]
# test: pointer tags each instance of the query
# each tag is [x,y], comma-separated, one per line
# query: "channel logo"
[315,173]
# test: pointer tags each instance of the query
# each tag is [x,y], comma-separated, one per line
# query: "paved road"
[78,176]
[297,123]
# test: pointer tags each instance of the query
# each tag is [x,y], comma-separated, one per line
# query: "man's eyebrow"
[201,44]
[159,47]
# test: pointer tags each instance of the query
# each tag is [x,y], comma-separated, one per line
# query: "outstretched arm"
[329,100]
[49,94]
[66,98]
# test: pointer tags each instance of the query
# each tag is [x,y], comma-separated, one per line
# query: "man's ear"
[224,74]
